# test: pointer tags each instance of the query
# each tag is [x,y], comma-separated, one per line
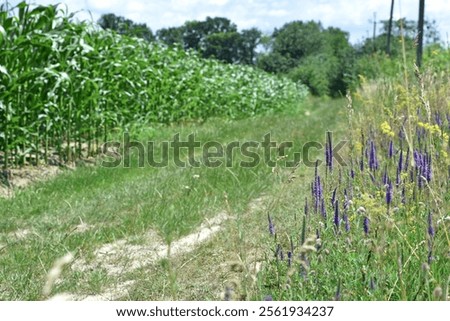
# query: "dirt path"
[121,257]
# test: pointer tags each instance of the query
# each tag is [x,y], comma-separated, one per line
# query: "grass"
[124,203]
[380,229]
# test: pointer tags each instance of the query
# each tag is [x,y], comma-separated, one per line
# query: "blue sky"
[350,15]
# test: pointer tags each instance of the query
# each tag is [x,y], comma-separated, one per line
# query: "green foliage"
[126,26]
[320,58]
[214,38]
[317,73]
[375,224]
[64,83]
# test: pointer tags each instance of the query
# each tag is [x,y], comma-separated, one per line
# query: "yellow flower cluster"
[386,129]
[433,129]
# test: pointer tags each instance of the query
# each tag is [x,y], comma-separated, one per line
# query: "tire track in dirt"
[121,257]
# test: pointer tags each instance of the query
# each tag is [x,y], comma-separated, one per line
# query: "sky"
[353,16]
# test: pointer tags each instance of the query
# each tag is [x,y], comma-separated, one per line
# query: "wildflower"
[347,223]
[329,152]
[430,225]
[428,171]
[397,178]
[389,192]
[317,191]
[391,149]
[333,197]
[386,129]
[400,161]
[366,223]
[279,252]
[336,214]
[268,298]
[373,161]
[385,176]
[271,225]
[407,160]
[323,209]
[438,119]
[289,258]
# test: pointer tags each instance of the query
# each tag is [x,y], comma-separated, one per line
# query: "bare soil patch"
[18,178]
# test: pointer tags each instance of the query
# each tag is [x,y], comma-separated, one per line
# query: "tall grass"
[378,226]
[65,85]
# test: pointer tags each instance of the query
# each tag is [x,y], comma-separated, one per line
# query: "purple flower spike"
[268,298]
[289,258]
[385,176]
[406,161]
[318,192]
[400,161]
[336,214]
[271,226]
[430,225]
[323,209]
[366,225]
[389,192]
[438,119]
[391,149]
[329,152]
[373,161]
[398,178]
[347,223]
[333,197]
[428,172]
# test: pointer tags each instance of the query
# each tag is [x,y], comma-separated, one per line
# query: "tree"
[298,39]
[305,51]
[214,38]
[171,36]
[126,26]
[223,46]
[250,39]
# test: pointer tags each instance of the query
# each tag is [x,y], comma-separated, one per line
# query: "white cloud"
[350,15]
[277,13]
[218,2]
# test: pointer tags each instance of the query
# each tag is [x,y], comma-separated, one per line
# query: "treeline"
[321,58]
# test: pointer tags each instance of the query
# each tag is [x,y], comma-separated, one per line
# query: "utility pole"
[388,48]
[374,30]
[420,35]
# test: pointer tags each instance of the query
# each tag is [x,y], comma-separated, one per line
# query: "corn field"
[64,85]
